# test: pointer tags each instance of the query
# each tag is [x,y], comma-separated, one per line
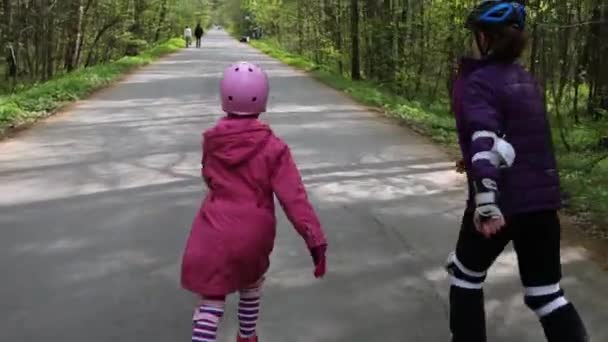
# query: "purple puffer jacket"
[505,99]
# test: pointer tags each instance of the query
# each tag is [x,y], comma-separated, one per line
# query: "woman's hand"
[488,220]
[491,227]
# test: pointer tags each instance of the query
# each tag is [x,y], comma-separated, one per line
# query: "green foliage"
[584,168]
[408,51]
[435,120]
[586,179]
[42,99]
[51,38]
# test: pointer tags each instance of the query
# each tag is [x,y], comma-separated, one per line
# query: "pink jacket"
[232,236]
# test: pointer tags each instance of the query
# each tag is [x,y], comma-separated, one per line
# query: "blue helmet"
[491,14]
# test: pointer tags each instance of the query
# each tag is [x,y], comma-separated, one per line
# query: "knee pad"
[462,277]
[544,300]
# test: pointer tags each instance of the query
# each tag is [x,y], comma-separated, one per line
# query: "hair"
[507,43]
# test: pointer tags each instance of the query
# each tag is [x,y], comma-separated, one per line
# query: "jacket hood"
[235,141]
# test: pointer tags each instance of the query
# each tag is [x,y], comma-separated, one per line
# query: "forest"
[58,51]
[411,46]
[408,50]
[45,38]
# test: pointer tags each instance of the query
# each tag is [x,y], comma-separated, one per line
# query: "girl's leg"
[249,310]
[537,243]
[467,267]
[207,318]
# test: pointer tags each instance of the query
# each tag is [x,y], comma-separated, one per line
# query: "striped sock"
[206,320]
[249,310]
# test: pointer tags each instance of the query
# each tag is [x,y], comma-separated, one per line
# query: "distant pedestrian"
[198,33]
[188,36]
[244,165]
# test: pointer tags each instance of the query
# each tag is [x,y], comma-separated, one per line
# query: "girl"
[500,112]
[244,165]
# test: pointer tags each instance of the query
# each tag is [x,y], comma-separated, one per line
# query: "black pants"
[536,240]
[198,42]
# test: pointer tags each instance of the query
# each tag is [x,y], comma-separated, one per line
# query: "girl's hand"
[460,166]
[320,260]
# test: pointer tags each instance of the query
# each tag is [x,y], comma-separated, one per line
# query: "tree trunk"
[5,24]
[78,38]
[598,50]
[49,41]
[354,35]
[138,8]
[74,35]
[98,38]
[602,79]
[161,20]
[7,40]
[534,49]
[300,23]
[338,37]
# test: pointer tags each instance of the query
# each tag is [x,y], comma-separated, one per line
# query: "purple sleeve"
[481,114]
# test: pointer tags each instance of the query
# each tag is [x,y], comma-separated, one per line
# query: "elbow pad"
[502,154]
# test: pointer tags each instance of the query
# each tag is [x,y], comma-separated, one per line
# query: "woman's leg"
[537,243]
[468,268]
[249,310]
[206,319]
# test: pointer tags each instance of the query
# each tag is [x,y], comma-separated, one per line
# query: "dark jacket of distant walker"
[506,99]
[198,32]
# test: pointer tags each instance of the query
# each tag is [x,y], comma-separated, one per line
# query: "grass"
[584,174]
[43,99]
[586,186]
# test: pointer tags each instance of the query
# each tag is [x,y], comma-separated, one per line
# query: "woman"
[514,191]
[198,33]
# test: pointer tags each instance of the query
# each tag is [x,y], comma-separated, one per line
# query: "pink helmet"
[244,89]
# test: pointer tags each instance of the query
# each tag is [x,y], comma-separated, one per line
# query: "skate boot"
[564,325]
[247,339]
